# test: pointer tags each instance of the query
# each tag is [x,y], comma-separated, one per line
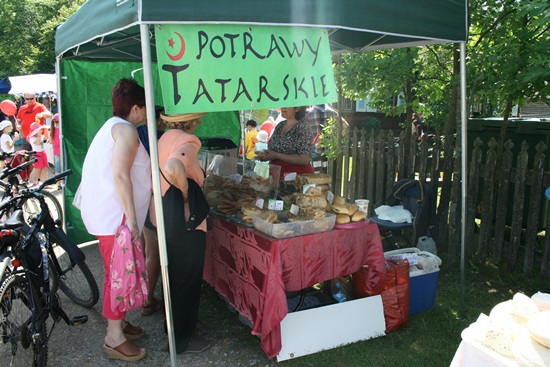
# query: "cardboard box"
[310,331]
[422,289]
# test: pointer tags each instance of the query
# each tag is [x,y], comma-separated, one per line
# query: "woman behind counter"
[290,143]
[116,187]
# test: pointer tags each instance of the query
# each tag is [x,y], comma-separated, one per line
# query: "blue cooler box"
[422,291]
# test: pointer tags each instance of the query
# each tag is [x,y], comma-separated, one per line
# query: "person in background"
[261,145]
[152,256]
[316,118]
[178,161]
[54,140]
[268,126]
[290,143]
[35,138]
[31,112]
[7,144]
[250,139]
[116,189]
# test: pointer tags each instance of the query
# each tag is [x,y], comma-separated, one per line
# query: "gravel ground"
[232,343]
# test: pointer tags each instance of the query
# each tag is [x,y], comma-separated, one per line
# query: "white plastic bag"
[395,214]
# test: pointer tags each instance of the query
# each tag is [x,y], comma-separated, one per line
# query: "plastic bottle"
[426,243]
[339,296]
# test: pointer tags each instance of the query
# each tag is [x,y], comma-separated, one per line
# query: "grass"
[432,336]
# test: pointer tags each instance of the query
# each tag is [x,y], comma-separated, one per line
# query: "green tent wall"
[92,107]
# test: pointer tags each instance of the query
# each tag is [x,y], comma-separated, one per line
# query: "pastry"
[342,219]
[358,217]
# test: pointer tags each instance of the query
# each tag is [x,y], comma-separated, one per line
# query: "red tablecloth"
[253,270]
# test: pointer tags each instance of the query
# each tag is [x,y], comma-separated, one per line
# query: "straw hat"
[181,117]
[36,127]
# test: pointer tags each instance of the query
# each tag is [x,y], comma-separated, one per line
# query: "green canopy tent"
[108,39]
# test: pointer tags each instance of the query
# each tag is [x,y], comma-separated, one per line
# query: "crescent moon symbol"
[182,50]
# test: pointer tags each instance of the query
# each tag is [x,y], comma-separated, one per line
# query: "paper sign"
[228,67]
[330,197]
[295,209]
[275,204]
[260,203]
[307,186]
[291,176]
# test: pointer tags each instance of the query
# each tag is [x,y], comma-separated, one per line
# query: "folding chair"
[415,197]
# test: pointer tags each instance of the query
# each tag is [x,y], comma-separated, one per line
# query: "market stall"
[112,35]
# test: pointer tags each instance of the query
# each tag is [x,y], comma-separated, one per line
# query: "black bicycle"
[68,269]
[17,170]
[26,299]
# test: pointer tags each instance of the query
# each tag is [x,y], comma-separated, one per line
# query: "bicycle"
[68,269]
[18,168]
[26,300]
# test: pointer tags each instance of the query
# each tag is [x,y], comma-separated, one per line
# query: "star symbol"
[171,42]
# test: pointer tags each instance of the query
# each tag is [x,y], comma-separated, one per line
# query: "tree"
[27,44]
[508,56]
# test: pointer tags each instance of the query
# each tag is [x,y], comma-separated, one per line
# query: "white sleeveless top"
[100,209]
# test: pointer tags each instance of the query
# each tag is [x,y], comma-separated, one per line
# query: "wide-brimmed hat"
[4,124]
[181,117]
[35,127]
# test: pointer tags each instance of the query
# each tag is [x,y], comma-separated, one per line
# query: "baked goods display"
[237,196]
[516,330]
[346,212]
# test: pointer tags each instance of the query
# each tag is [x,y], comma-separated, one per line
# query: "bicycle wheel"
[24,336]
[75,278]
[31,207]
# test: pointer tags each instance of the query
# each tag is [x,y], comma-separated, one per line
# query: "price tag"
[260,203]
[294,209]
[330,197]
[307,186]
[275,204]
[290,176]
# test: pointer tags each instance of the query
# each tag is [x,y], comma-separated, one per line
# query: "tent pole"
[464,160]
[61,143]
[152,130]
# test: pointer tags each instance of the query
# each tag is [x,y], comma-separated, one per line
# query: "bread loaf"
[311,201]
[338,200]
[358,217]
[313,178]
[342,218]
[340,209]
[313,191]
[352,209]
[313,213]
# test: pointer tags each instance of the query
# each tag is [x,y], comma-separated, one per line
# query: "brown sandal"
[124,352]
[152,307]
[133,332]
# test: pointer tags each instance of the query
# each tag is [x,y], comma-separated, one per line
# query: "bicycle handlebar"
[17,169]
[54,179]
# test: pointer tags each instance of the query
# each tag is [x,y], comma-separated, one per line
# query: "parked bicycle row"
[37,259]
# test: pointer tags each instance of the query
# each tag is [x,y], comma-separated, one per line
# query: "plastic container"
[339,296]
[422,289]
[426,243]
[292,229]
[423,277]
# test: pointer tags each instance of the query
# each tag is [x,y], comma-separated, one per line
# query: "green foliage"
[371,123]
[508,54]
[27,42]
[331,139]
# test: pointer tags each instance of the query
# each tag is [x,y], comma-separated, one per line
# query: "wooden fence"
[507,212]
